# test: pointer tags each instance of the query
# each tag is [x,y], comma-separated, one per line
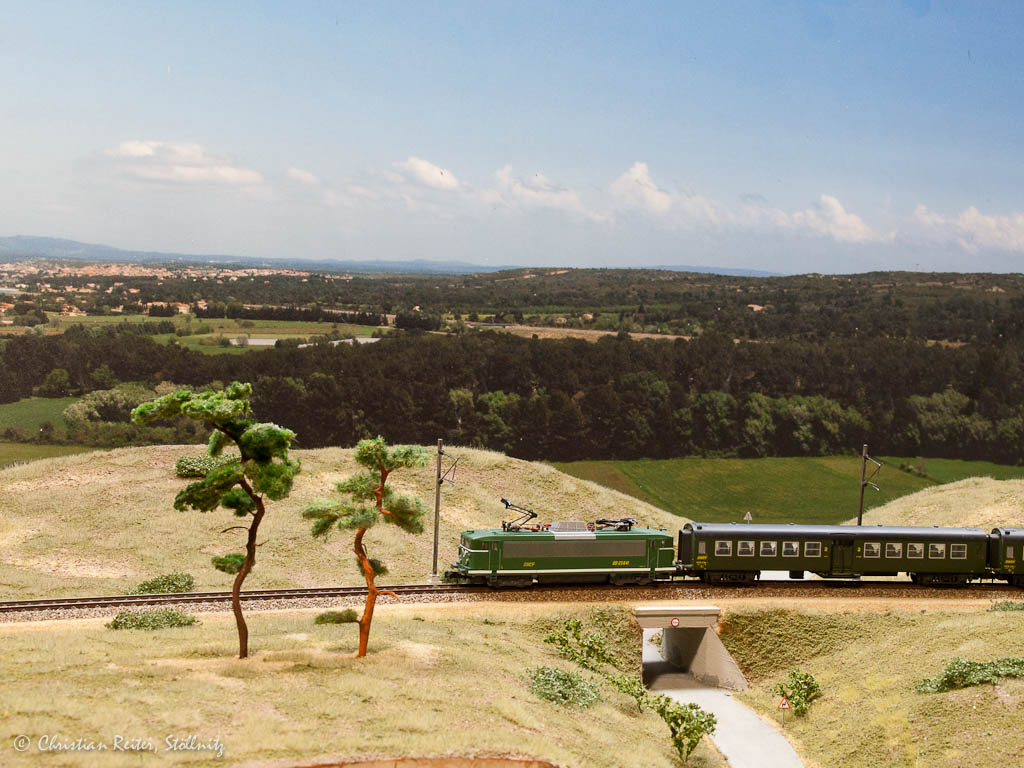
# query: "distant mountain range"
[22,247]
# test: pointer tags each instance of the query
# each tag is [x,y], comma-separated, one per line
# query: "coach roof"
[879,532]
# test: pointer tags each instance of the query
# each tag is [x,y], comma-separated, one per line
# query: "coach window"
[812,549]
[723,548]
[958,551]
[791,549]
[893,550]
[745,548]
[936,551]
[769,548]
[872,549]
[915,551]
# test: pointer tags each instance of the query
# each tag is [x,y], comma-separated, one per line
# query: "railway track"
[49,604]
[683,589]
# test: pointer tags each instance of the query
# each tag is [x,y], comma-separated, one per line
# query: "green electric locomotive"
[606,551]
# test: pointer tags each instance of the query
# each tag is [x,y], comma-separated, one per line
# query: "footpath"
[745,738]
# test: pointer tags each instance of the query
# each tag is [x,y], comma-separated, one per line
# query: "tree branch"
[236,528]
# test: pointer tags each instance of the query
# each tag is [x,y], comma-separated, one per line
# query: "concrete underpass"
[692,665]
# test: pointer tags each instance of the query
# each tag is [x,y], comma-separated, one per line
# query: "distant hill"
[22,247]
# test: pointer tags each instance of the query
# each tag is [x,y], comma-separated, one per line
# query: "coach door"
[842,556]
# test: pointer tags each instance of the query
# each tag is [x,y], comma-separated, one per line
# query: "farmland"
[773,490]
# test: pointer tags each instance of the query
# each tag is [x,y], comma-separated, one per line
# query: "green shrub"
[229,563]
[686,722]
[589,651]
[337,617]
[570,689]
[1006,605]
[161,618]
[800,689]
[962,673]
[201,466]
[632,686]
[168,583]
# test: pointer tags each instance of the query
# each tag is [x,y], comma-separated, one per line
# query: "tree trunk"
[247,564]
[371,593]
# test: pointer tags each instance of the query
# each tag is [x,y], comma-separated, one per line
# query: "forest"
[567,399]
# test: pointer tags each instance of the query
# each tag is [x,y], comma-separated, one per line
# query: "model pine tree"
[262,471]
[370,501]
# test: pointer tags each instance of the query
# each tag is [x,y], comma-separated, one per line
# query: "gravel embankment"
[914,596]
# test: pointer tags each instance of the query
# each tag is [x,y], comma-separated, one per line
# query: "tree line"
[566,399]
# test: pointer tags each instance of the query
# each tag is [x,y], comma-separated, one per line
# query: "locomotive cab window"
[745,548]
[915,551]
[812,549]
[791,549]
[768,548]
[702,548]
[872,549]
[893,550]
[936,551]
[1009,551]
[958,551]
[723,548]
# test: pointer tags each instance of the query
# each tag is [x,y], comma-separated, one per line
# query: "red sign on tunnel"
[674,622]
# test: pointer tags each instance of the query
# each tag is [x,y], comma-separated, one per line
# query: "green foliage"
[56,384]
[569,689]
[106,405]
[589,650]
[206,494]
[379,569]
[686,722]
[200,466]
[963,673]
[337,617]
[1006,605]
[162,618]
[632,686]
[166,584]
[800,689]
[229,563]
[272,478]
[360,510]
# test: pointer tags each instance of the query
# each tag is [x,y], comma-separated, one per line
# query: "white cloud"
[535,191]
[305,177]
[973,229]
[428,174]
[831,219]
[636,189]
[179,163]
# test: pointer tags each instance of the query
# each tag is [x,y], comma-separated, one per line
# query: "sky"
[784,136]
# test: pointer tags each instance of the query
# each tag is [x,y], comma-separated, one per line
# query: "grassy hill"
[102,522]
[869,713]
[979,502]
[30,413]
[773,490]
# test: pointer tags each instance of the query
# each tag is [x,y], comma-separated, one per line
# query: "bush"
[589,651]
[337,617]
[168,583]
[569,689]
[800,689]
[687,723]
[162,618]
[632,686]
[1006,605]
[962,673]
[201,466]
[229,563]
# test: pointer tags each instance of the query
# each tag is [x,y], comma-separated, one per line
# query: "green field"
[208,342]
[773,490]
[15,453]
[30,413]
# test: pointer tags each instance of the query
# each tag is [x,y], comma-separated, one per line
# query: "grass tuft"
[162,618]
[337,617]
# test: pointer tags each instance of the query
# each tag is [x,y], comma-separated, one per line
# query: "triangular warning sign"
[784,704]
[748,517]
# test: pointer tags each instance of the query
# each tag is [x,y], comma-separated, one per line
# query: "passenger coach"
[738,553]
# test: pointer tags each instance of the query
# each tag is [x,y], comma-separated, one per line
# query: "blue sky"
[789,137]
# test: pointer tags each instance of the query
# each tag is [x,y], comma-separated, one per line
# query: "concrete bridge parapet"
[690,644]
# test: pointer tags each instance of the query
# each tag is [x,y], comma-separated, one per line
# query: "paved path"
[743,736]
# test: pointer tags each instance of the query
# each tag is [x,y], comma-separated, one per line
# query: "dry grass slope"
[99,523]
[977,502]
